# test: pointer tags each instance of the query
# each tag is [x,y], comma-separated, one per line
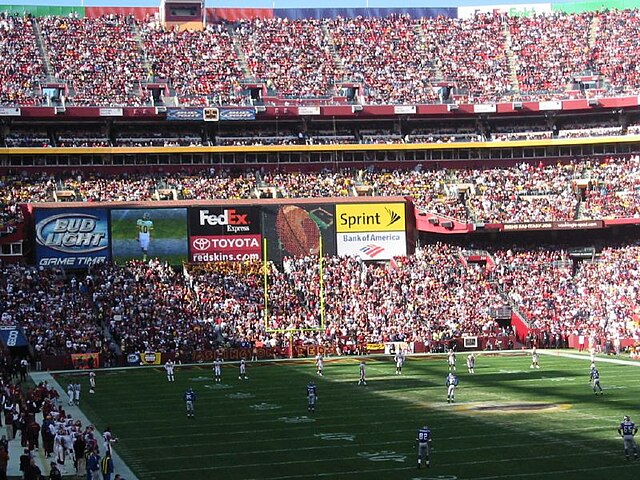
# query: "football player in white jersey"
[92,382]
[451,382]
[243,370]
[451,360]
[399,359]
[534,358]
[471,363]
[319,364]
[217,369]
[145,225]
[363,374]
[169,367]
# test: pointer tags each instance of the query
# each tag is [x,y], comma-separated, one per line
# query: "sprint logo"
[372,250]
[393,216]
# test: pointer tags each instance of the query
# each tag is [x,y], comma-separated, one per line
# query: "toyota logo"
[201,244]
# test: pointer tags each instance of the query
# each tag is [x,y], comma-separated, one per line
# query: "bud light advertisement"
[72,238]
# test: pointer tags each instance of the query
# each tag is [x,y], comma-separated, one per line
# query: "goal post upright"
[320,267]
[265,275]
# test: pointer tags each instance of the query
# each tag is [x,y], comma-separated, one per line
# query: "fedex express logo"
[230,218]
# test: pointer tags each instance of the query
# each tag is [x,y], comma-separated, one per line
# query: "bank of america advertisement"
[371,231]
[224,234]
[72,238]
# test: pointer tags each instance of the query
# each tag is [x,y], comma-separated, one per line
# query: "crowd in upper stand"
[395,59]
[431,296]
[591,188]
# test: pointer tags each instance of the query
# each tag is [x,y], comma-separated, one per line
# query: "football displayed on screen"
[298,233]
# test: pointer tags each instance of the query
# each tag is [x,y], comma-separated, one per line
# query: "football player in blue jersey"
[190,399]
[451,382]
[627,430]
[423,439]
[594,378]
[312,396]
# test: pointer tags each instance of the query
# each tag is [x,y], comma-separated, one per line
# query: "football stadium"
[273,240]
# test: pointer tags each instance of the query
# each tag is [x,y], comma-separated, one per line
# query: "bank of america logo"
[372,250]
[393,216]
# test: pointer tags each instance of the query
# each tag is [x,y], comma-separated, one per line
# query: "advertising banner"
[236,114]
[225,248]
[562,225]
[404,109]
[150,358]
[212,220]
[9,112]
[523,10]
[146,233]
[72,238]
[111,112]
[225,234]
[185,114]
[370,217]
[295,230]
[372,245]
[85,360]
[12,336]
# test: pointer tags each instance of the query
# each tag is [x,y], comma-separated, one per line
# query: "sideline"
[577,356]
[67,469]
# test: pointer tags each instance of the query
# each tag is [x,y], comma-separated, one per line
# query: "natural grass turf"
[373,427]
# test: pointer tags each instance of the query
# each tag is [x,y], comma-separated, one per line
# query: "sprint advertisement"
[371,231]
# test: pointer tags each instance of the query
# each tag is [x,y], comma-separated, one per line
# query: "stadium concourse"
[486,57]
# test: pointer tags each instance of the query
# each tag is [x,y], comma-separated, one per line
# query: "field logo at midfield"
[383,456]
[302,419]
[512,407]
[335,436]
[240,395]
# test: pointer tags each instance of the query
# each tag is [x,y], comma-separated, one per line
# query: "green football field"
[508,421]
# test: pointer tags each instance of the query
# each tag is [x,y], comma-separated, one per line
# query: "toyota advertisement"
[225,234]
[371,231]
[71,238]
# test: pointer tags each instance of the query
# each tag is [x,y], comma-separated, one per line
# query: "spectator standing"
[4,462]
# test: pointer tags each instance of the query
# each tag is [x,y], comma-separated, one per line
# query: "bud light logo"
[76,233]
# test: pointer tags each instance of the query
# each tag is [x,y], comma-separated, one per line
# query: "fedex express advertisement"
[218,234]
[72,237]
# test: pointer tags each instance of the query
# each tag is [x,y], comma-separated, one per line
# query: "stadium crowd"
[432,296]
[395,59]
[588,188]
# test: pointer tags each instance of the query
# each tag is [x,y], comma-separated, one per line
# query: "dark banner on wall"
[12,336]
[295,230]
[72,238]
[146,233]
[225,234]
